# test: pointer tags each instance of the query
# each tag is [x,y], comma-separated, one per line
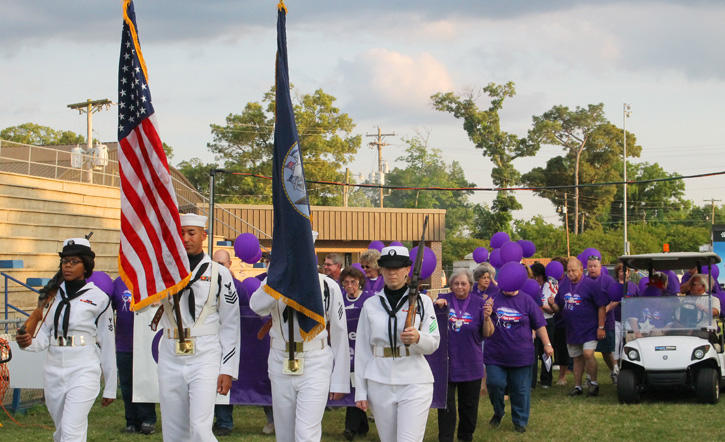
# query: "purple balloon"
[498,239]
[591,251]
[495,258]
[480,255]
[715,271]
[652,291]
[255,258]
[555,270]
[531,287]
[251,284]
[428,266]
[528,247]
[246,246]
[102,281]
[396,244]
[377,245]
[643,284]
[358,266]
[615,292]
[511,277]
[511,252]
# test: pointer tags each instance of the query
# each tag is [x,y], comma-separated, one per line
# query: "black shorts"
[606,345]
[561,353]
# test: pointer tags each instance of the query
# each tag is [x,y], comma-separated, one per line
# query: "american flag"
[152,259]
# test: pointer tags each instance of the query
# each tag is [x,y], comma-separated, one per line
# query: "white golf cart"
[670,342]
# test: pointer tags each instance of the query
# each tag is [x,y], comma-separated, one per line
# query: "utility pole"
[566,225]
[379,143]
[627,113]
[90,107]
[346,189]
[712,203]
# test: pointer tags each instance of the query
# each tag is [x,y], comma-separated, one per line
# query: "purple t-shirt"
[605,281]
[491,290]
[121,303]
[241,292]
[514,317]
[580,303]
[465,334]
[372,286]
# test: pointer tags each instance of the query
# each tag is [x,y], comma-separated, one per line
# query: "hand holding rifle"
[410,335]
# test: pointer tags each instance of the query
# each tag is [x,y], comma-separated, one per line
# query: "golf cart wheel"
[628,387]
[707,388]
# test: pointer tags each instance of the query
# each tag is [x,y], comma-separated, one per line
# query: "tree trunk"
[576,191]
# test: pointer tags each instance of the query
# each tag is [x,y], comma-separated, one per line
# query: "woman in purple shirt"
[483,278]
[510,350]
[469,321]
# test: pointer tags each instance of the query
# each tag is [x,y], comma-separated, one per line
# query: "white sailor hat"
[394,257]
[75,247]
[192,219]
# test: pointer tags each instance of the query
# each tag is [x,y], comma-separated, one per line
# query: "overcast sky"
[383,60]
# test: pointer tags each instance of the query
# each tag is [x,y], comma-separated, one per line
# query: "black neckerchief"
[397,301]
[194,261]
[73,291]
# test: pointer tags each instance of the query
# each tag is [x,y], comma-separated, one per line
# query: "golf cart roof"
[670,261]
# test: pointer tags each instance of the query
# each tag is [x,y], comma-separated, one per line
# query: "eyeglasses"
[367,267]
[350,283]
[594,258]
[72,262]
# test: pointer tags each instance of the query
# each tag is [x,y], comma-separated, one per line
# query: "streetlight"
[627,112]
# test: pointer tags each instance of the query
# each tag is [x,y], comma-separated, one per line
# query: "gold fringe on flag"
[134,35]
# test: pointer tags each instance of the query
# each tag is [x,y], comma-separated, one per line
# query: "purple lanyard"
[456,306]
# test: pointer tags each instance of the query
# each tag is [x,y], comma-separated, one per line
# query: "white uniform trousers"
[401,411]
[187,391]
[299,401]
[69,396]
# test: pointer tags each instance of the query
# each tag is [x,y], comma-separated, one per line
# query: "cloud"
[383,82]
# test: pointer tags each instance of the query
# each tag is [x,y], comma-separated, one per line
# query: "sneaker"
[129,429]
[519,429]
[147,428]
[561,382]
[546,386]
[222,431]
[576,392]
[614,378]
[593,390]
[268,428]
[495,421]
[348,434]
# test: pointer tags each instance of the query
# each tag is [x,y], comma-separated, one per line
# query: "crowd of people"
[506,331]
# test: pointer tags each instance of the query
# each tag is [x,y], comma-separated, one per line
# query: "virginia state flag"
[292,274]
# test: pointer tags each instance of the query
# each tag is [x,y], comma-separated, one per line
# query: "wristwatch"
[601,327]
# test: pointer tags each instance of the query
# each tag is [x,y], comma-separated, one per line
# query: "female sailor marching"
[77,331]
[392,375]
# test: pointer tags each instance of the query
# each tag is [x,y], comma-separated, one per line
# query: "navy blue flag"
[293,273]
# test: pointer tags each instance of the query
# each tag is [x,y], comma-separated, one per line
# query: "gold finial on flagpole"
[281,6]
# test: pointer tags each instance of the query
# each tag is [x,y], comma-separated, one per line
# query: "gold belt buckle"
[299,347]
[66,342]
[393,352]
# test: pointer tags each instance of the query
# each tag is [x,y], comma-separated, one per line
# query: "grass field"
[554,416]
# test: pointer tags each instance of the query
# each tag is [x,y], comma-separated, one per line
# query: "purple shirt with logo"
[465,334]
[352,312]
[605,281]
[580,304]
[511,344]
[121,303]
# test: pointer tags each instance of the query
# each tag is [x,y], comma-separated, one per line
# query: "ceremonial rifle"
[46,296]
[415,279]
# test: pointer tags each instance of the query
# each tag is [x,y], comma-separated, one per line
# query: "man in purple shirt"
[140,417]
[584,306]
[606,345]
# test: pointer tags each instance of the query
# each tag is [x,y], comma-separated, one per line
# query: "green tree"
[198,175]
[245,144]
[426,168]
[598,159]
[484,130]
[31,133]
[168,151]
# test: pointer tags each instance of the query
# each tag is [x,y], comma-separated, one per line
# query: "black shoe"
[519,429]
[348,434]
[495,421]
[593,390]
[129,429]
[222,431]
[147,428]
[576,392]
